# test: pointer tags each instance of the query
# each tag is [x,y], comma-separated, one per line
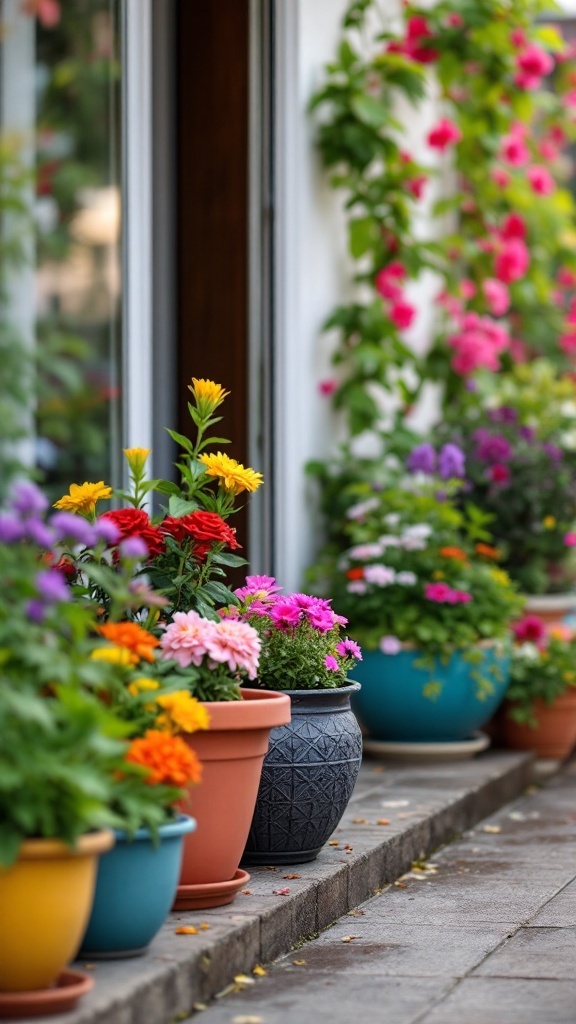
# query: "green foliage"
[390,546]
[540,673]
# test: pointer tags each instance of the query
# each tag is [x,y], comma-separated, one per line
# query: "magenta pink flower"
[532,63]
[442,593]
[330,663]
[477,344]
[327,387]
[498,473]
[402,314]
[514,150]
[416,185]
[235,644]
[530,628]
[186,638]
[349,648]
[467,289]
[446,133]
[455,20]
[388,281]
[518,37]
[541,181]
[569,99]
[512,261]
[567,343]
[566,278]
[286,613]
[500,177]
[497,296]
[513,227]
[570,539]
[547,150]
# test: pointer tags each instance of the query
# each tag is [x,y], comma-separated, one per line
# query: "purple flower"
[527,433]
[504,414]
[390,645]
[35,610]
[26,498]
[451,462]
[107,531]
[348,647]
[331,663]
[39,533]
[51,586]
[422,459]
[134,547]
[494,448]
[11,529]
[555,453]
[72,527]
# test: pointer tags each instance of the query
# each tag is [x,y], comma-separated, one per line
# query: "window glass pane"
[60,141]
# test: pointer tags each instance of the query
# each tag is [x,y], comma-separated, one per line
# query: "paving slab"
[398,813]
[481,932]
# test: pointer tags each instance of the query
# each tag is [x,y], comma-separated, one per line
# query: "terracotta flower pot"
[553,609]
[555,734]
[45,901]
[231,752]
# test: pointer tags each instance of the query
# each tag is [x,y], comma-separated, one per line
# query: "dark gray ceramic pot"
[307,778]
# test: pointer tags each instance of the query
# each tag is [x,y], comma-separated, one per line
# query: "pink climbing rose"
[445,134]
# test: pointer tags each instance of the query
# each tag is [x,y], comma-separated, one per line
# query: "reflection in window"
[59,114]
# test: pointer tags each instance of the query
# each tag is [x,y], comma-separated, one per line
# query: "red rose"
[135,522]
[205,528]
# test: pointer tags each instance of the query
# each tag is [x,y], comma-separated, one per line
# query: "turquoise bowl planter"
[135,889]
[392,705]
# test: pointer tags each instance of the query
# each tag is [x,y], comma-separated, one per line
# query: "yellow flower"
[501,577]
[568,677]
[549,522]
[141,685]
[136,459]
[438,574]
[208,395]
[83,497]
[183,712]
[232,475]
[115,655]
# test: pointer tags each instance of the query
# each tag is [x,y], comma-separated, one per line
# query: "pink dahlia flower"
[530,628]
[497,296]
[235,644]
[186,638]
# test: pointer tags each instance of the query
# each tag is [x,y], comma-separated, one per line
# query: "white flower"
[392,518]
[568,440]
[418,530]
[362,552]
[406,578]
[381,575]
[388,541]
[359,511]
[356,587]
[527,652]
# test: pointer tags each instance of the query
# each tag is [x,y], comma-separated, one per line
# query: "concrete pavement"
[483,932]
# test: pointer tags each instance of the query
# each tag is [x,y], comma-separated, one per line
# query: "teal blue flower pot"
[393,705]
[135,889]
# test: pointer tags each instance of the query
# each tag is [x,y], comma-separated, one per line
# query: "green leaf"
[225,558]
[361,236]
[370,111]
[184,442]
[179,507]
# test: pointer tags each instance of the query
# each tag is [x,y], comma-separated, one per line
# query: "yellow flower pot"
[45,901]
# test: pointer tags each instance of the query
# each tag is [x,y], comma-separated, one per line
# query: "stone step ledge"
[399,813]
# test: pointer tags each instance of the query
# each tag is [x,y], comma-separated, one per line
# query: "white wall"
[313,274]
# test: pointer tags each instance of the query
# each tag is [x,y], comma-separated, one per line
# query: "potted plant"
[184,554]
[313,760]
[424,597]
[520,447]
[539,712]
[63,768]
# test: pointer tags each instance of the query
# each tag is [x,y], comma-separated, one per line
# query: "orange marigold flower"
[168,758]
[355,574]
[456,553]
[487,551]
[139,642]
